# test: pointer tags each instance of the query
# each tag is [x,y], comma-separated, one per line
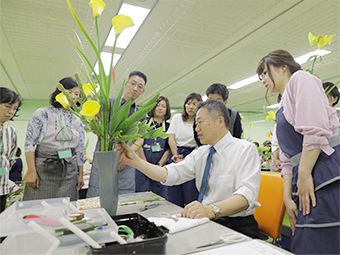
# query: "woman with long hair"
[155,151]
[182,143]
[10,103]
[307,132]
[54,149]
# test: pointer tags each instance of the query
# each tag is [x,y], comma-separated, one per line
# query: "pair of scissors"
[227,239]
[149,206]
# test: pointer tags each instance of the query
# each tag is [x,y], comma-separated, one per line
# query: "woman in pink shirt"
[307,132]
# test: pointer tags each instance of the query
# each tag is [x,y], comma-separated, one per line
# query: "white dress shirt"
[235,169]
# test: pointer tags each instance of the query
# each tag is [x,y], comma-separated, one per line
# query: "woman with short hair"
[54,149]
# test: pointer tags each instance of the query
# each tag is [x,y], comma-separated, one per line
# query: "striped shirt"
[7,153]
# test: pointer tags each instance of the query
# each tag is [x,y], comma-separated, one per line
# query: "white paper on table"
[253,247]
[180,225]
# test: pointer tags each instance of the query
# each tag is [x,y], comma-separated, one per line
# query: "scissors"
[227,239]
[149,206]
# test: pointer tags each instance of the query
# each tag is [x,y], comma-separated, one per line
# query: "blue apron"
[187,192]
[144,183]
[319,231]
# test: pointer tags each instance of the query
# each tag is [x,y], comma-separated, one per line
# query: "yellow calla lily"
[251,124]
[61,99]
[268,134]
[120,22]
[90,108]
[324,40]
[98,7]
[88,89]
[242,117]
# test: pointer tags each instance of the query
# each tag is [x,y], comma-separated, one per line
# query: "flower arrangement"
[319,41]
[110,123]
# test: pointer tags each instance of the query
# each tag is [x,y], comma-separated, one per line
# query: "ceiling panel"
[183,46]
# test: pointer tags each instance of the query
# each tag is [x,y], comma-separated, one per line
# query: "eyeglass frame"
[139,86]
[10,108]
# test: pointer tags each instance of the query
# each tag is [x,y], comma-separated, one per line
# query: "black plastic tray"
[154,244]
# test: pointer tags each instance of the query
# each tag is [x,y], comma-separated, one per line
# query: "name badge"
[65,154]
[156,148]
[2,171]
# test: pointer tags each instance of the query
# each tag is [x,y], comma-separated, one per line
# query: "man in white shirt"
[234,179]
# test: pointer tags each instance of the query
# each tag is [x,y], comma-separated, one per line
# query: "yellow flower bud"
[88,89]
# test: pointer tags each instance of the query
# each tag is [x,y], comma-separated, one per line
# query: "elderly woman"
[9,106]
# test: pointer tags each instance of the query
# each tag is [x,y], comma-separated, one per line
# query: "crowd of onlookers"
[209,170]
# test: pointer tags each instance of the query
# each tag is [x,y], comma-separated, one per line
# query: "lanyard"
[62,127]
[154,123]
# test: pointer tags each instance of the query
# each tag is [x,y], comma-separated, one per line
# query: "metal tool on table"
[227,239]
[169,216]
[149,206]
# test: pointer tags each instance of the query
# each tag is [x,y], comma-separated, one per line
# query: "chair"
[271,213]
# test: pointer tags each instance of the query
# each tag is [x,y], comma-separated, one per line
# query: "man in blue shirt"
[133,88]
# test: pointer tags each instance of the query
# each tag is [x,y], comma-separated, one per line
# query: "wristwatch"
[216,210]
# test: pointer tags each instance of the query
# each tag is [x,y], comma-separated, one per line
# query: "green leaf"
[133,130]
[118,100]
[164,135]
[156,133]
[120,117]
[140,113]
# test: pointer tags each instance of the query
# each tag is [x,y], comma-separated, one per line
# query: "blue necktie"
[206,174]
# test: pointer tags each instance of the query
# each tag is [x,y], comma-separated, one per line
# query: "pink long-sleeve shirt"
[306,108]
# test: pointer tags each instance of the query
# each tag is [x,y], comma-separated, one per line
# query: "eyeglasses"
[139,86]
[10,108]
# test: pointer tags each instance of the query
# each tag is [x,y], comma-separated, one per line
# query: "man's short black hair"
[218,88]
[140,74]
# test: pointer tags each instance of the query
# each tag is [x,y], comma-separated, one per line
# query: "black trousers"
[3,202]
[245,225]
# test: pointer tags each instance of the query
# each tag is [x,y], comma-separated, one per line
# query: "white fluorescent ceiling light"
[304,58]
[301,60]
[138,15]
[273,106]
[258,121]
[106,59]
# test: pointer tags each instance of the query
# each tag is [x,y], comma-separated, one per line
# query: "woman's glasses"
[10,108]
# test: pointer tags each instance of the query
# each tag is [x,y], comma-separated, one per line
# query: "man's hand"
[121,166]
[127,156]
[196,210]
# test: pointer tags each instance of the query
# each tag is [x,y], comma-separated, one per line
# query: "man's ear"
[225,102]
[220,121]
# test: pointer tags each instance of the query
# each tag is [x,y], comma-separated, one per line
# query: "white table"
[186,241]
